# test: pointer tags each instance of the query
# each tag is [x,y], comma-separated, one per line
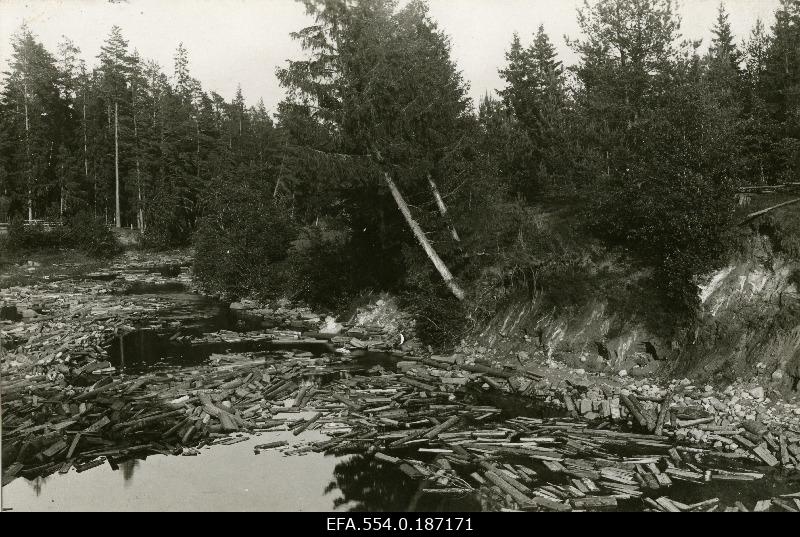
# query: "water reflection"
[128,467]
[370,485]
[37,484]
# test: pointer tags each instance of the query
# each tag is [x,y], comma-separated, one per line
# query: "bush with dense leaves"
[92,236]
[82,231]
[23,237]
[169,224]
[242,243]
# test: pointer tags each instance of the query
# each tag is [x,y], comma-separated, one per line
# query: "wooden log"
[701,506]
[306,424]
[785,505]
[176,427]
[91,393]
[99,424]
[783,450]
[408,438]
[436,430]
[230,421]
[753,216]
[452,490]
[764,454]
[762,506]
[491,371]
[55,448]
[137,424]
[518,496]
[570,404]
[662,414]
[633,409]
[74,445]
[649,422]
[667,504]
[188,434]
[594,502]
[387,458]
[347,401]
[270,445]
[417,384]
[88,465]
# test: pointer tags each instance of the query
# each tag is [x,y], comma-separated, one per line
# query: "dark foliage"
[242,242]
[81,231]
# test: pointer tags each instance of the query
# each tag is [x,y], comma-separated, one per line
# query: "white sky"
[243,41]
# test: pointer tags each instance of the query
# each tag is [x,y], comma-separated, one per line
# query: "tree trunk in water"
[118,216]
[443,209]
[423,240]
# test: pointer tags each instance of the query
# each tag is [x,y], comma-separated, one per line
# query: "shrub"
[23,237]
[440,318]
[81,231]
[91,236]
[323,268]
[241,243]
[676,221]
[168,223]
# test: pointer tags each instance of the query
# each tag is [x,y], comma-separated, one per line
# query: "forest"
[378,173]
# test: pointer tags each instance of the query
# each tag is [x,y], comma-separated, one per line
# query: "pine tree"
[780,87]
[379,93]
[33,114]
[535,95]
[115,65]
[724,63]
[722,46]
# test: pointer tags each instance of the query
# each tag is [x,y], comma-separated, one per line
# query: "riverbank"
[124,363]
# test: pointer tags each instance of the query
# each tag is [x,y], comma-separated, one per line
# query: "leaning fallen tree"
[423,240]
[443,209]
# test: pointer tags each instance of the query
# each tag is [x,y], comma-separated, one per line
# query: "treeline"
[121,140]
[381,174]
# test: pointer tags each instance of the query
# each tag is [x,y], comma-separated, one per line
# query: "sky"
[234,42]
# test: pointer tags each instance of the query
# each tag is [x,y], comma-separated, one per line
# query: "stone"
[29,314]
[777,376]
[623,373]
[754,427]
[757,393]
[330,326]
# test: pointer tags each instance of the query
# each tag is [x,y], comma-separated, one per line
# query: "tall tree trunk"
[423,240]
[443,209]
[197,126]
[28,150]
[139,211]
[117,215]
[85,143]
[61,202]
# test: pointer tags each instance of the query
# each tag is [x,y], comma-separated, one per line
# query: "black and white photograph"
[400,265]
